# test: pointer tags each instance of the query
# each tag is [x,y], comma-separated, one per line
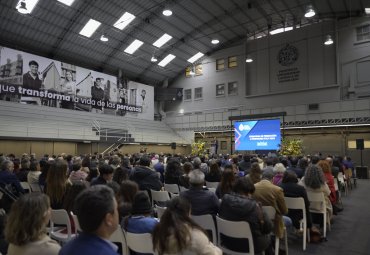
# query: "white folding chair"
[236,229]
[60,217]
[77,223]
[35,187]
[160,210]
[212,189]
[182,188]
[119,237]
[270,211]
[26,187]
[318,198]
[159,196]
[172,195]
[172,188]
[207,222]
[343,183]
[297,203]
[212,184]
[140,243]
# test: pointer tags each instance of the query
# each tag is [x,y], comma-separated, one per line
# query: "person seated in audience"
[184,179]
[78,173]
[279,170]
[226,183]
[255,173]
[239,205]
[24,170]
[25,228]
[10,185]
[329,180]
[214,174]
[159,167]
[140,221]
[177,233]
[290,186]
[271,195]
[127,194]
[203,165]
[120,175]
[105,176]
[144,176]
[34,173]
[173,171]
[57,183]
[314,181]
[115,161]
[97,213]
[44,168]
[202,200]
[303,164]
[245,164]
[294,167]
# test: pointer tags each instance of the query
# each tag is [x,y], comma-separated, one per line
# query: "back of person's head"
[7,165]
[314,177]
[284,161]
[71,193]
[175,221]
[34,166]
[325,166]
[27,219]
[289,176]
[120,175]
[173,167]
[243,186]
[116,160]
[141,204]
[196,163]
[92,205]
[214,168]
[187,167]
[294,161]
[315,159]
[86,162]
[145,161]
[196,178]
[279,168]
[105,169]
[268,174]
[25,163]
[128,191]
[269,162]
[302,163]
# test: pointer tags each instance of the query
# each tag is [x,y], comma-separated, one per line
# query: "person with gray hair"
[203,201]
[196,163]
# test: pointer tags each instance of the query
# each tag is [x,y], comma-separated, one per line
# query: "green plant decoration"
[198,148]
[291,147]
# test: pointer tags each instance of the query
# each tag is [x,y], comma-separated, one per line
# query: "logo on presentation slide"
[244,127]
[262,144]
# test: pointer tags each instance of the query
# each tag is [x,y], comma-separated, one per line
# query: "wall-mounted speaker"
[173,146]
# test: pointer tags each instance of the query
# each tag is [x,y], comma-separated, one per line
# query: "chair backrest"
[182,188]
[26,186]
[207,222]
[76,223]
[212,184]
[234,229]
[336,184]
[172,188]
[35,187]
[141,243]
[160,211]
[60,217]
[212,189]
[159,196]
[270,211]
[317,198]
[118,236]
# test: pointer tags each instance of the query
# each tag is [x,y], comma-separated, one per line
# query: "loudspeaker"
[173,146]
[359,144]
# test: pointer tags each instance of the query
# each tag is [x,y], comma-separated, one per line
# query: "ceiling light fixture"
[162,40]
[103,38]
[133,46]
[26,6]
[66,2]
[249,59]
[195,57]
[328,40]
[310,12]
[215,41]
[123,22]
[90,28]
[167,12]
[367,11]
[166,60]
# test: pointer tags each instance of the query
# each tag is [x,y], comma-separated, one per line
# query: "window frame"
[191,95]
[362,33]
[217,89]
[231,62]
[195,93]
[232,92]
[220,66]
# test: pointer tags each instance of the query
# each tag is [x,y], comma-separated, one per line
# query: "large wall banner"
[31,79]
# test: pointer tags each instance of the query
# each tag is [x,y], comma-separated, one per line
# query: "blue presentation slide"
[257,135]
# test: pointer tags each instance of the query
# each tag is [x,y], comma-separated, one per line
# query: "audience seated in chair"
[144,176]
[227,181]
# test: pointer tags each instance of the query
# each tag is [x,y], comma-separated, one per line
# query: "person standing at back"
[97,213]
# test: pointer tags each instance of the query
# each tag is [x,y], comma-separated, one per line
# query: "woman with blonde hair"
[25,229]
[57,183]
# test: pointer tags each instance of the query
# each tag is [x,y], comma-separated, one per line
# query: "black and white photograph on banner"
[29,79]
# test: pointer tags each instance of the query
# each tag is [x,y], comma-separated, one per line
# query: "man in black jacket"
[144,176]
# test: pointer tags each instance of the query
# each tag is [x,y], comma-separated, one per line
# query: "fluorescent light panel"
[162,40]
[280,30]
[90,28]
[133,46]
[66,2]
[30,5]
[123,22]
[166,60]
[195,57]
[367,10]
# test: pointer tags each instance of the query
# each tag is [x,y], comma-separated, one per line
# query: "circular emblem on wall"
[287,55]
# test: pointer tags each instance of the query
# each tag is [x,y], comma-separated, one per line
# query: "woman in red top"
[325,166]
